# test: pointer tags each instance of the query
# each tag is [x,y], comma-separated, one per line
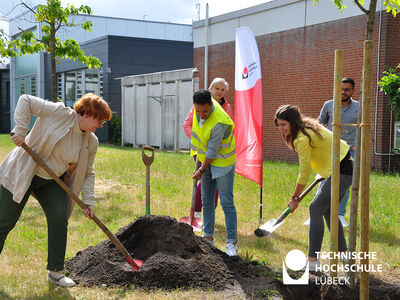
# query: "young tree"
[392,6]
[53,16]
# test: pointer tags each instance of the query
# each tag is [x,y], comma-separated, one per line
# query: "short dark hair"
[348,80]
[202,97]
[94,106]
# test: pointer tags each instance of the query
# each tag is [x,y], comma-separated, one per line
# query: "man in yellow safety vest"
[214,144]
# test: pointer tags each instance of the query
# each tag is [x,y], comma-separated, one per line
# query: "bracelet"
[200,171]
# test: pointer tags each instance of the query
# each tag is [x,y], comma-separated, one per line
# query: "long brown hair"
[298,122]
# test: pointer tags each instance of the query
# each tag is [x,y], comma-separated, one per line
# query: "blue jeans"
[225,188]
[345,199]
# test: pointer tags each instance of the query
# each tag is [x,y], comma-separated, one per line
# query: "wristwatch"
[296,198]
[201,171]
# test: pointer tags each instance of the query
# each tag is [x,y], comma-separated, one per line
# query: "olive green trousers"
[52,199]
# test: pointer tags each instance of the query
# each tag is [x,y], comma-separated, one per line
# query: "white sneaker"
[197,214]
[343,221]
[63,281]
[312,265]
[307,222]
[231,249]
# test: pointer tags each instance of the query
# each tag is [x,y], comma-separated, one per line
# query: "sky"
[174,11]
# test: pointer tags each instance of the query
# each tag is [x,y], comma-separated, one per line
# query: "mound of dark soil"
[174,257]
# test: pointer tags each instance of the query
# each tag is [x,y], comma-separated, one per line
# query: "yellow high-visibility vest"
[200,136]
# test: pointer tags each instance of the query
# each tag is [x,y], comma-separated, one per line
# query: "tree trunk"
[357,156]
[53,64]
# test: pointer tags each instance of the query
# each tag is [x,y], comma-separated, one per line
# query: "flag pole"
[261,207]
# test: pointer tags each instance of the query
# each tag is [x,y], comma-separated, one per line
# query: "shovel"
[148,160]
[191,220]
[273,224]
[135,263]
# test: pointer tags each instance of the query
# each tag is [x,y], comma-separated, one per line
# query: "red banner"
[248,107]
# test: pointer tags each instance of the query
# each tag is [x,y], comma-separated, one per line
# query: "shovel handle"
[103,227]
[309,188]
[148,160]
[303,194]
[194,192]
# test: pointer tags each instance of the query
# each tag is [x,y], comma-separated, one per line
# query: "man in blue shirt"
[348,133]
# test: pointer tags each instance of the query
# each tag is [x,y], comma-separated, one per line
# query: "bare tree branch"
[28,7]
[58,26]
[361,7]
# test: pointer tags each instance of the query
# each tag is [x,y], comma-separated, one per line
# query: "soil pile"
[174,257]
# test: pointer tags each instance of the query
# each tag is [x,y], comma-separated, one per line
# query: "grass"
[120,196]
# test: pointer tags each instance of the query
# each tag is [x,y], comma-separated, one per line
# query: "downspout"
[377,96]
[206,52]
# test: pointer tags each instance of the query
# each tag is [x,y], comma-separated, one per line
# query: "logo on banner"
[245,74]
[249,70]
[295,260]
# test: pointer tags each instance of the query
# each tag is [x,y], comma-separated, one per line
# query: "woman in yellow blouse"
[313,144]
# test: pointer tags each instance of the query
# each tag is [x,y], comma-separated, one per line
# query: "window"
[92,81]
[397,137]
[33,85]
[73,85]
[60,86]
[22,86]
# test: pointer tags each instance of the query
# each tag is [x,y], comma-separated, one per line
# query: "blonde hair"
[218,80]
[94,106]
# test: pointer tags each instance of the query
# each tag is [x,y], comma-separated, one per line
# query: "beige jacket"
[53,122]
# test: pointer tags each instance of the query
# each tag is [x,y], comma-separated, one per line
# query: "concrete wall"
[154,107]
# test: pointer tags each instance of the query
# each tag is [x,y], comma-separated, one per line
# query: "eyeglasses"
[346,90]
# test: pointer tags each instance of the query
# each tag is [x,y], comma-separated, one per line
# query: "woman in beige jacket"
[64,138]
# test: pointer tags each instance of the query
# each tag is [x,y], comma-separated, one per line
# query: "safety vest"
[200,136]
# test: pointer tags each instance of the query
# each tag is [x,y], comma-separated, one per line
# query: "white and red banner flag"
[248,107]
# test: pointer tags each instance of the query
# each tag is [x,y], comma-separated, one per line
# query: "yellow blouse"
[319,156]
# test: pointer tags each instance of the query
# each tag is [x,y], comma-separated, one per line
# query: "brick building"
[297,41]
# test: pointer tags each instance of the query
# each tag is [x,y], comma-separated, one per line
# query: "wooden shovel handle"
[148,160]
[310,187]
[103,227]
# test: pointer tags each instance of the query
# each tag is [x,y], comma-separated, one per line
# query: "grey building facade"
[124,47]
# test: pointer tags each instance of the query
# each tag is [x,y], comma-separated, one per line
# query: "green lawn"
[120,195]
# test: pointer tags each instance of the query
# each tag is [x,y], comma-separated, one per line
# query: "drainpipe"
[206,52]
[376,99]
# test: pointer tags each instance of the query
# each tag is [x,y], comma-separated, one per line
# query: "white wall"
[154,107]
[4,25]
[273,16]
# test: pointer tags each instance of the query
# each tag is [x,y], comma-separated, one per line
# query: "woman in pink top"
[218,88]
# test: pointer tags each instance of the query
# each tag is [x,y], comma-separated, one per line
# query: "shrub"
[115,129]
